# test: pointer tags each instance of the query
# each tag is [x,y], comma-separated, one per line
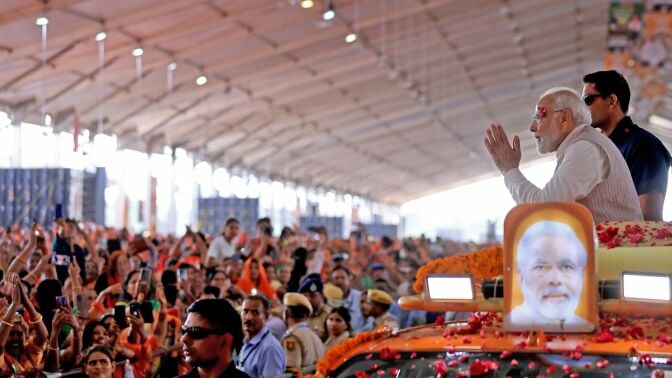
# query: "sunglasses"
[198,333]
[589,99]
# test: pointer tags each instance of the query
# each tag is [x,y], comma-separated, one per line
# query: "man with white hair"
[590,169]
[550,263]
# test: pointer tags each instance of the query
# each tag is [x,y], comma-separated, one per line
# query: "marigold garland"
[337,352]
[481,264]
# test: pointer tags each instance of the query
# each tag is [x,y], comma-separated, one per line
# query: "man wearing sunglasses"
[212,331]
[607,95]
[590,170]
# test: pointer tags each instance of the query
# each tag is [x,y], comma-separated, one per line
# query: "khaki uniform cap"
[296,299]
[380,296]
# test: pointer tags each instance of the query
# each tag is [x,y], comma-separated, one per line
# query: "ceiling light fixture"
[201,80]
[101,36]
[329,13]
[172,66]
[47,120]
[305,4]
[138,52]
[352,37]
[41,21]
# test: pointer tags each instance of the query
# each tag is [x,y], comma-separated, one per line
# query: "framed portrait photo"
[549,268]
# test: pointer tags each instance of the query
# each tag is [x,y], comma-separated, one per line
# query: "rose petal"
[505,354]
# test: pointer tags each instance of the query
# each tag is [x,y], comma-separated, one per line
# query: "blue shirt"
[262,356]
[352,304]
[647,157]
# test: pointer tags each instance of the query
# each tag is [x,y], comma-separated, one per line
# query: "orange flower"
[481,264]
[337,352]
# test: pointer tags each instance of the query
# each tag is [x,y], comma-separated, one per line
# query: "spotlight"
[47,120]
[329,13]
[172,66]
[41,21]
[101,36]
[138,52]
[352,37]
[201,80]
[305,4]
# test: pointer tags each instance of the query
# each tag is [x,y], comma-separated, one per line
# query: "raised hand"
[505,156]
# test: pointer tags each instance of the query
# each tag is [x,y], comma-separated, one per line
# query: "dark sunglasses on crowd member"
[198,333]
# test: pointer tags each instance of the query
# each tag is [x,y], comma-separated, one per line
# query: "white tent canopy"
[398,114]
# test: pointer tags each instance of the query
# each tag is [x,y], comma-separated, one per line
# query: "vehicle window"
[423,365]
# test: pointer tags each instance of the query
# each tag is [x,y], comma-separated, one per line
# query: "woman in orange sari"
[254,278]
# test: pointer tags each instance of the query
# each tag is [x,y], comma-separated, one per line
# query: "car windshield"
[485,364]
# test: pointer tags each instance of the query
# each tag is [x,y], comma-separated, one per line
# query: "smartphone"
[62,301]
[120,316]
[2,274]
[60,260]
[113,245]
[147,311]
[146,275]
[58,211]
[82,306]
[135,308]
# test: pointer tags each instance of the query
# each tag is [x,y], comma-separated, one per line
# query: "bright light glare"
[172,66]
[47,120]
[138,52]
[201,80]
[41,21]
[328,15]
[639,286]
[305,4]
[101,36]
[352,37]
[449,287]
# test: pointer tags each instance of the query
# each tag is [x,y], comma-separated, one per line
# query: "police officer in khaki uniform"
[381,302]
[312,288]
[302,346]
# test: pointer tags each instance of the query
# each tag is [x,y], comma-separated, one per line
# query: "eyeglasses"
[589,99]
[542,112]
[198,333]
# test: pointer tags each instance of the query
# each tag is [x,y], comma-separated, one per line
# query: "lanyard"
[247,354]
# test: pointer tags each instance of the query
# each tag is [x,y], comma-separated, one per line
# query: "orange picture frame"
[549,268]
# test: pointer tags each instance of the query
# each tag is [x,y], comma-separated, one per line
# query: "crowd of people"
[99,301]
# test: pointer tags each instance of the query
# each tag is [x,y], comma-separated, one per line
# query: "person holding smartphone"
[24,351]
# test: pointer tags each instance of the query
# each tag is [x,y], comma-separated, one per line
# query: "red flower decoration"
[466,340]
[453,363]
[566,369]
[602,363]
[477,368]
[388,354]
[393,371]
[607,235]
[463,358]
[505,354]
[551,369]
[440,367]
[440,320]
[361,374]
[576,356]
[604,337]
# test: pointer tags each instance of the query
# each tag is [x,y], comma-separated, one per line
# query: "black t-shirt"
[231,371]
[646,156]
